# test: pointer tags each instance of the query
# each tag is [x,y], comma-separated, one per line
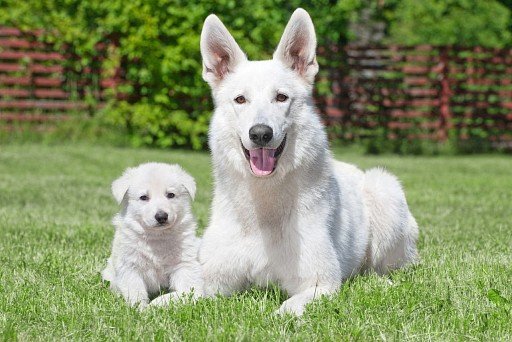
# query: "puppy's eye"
[240,99]
[144,198]
[170,195]
[281,98]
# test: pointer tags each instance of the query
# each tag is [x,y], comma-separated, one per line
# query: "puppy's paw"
[140,305]
[293,305]
[165,300]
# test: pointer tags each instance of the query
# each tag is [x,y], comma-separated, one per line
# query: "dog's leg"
[188,279]
[224,280]
[214,283]
[132,288]
[394,230]
[224,258]
[108,273]
[225,270]
[165,300]
[185,280]
[296,304]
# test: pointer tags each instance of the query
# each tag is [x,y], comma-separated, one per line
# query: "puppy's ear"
[221,54]
[120,186]
[190,185]
[297,47]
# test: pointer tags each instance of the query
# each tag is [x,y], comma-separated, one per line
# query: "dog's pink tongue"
[262,161]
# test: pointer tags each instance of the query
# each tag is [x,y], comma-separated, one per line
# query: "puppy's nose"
[161,216]
[260,134]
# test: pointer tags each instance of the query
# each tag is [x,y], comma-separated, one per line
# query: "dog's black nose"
[161,217]
[260,134]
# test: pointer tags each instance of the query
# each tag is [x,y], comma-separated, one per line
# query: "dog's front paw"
[293,305]
[140,305]
[165,300]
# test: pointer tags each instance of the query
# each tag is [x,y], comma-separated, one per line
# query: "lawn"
[55,211]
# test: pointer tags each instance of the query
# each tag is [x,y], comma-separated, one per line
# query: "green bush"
[450,22]
[156,43]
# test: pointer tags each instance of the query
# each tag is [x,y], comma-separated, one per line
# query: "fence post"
[445,119]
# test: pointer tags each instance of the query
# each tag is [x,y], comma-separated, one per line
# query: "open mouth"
[263,161]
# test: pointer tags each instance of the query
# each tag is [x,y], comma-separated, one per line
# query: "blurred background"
[410,77]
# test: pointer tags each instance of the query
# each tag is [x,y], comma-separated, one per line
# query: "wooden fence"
[40,83]
[420,92]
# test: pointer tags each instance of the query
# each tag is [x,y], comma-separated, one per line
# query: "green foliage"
[444,22]
[380,143]
[156,43]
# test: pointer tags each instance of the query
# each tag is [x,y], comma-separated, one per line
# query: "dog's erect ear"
[120,186]
[221,54]
[297,47]
[190,184]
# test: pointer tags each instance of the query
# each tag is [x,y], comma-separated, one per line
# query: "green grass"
[55,235]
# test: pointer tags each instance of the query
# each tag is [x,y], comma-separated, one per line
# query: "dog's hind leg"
[393,229]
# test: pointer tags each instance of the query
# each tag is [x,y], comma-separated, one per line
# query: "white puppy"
[283,210]
[155,246]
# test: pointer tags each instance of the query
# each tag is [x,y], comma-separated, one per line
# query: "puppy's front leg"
[132,288]
[184,280]
[297,303]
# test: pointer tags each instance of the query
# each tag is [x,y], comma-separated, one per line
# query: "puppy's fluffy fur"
[155,246]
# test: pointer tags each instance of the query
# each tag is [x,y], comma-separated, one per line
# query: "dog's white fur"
[314,222]
[148,256]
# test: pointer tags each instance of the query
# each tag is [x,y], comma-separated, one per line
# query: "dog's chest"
[160,259]
[275,259]
[266,211]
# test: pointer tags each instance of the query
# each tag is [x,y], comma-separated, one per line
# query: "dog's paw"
[165,300]
[293,305]
[140,305]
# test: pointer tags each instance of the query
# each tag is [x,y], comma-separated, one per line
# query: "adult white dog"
[155,246]
[283,210]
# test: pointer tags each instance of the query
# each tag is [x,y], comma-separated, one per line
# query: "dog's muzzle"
[263,161]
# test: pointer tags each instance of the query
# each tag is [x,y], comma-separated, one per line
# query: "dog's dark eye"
[144,198]
[170,195]
[240,99]
[281,98]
